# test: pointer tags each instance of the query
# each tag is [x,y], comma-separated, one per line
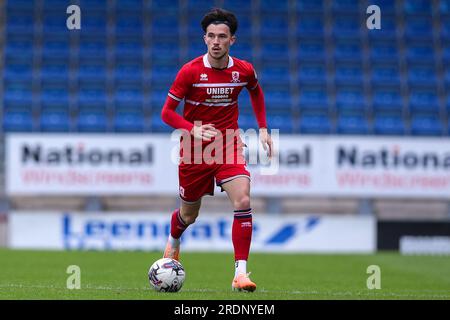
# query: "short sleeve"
[181,85]
[252,81]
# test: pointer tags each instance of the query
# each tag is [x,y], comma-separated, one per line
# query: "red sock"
[242,233]
[177,225]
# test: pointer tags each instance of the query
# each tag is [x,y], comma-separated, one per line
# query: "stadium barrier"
[149,231]
[339,166]
[414,237]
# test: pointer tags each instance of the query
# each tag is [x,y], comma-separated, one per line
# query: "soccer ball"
[166,275]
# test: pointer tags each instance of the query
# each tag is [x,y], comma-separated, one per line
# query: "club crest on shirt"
[203,77]
[235,76]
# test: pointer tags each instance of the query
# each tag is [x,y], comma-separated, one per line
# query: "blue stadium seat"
[424,101]
[347,27]
[315,124]
[94,22]
[384,52]
[348,51]
[158,97]
[242,50]
[310,26]
[274,7]
[129,96]
[387,7]
[196,48]
[311,51]
[345,7]
[18,122]
[197,7]
[18,97]
[92,51]
[92,96]
[279,100]
[93,6]
[274,76]
[352,125]
[348,74]
[18,52]
[130,6]
[129,49]
[420,54]
[91,74]
[128,74]
[389,28]
[19,23]
[54,72]
[446,55]
[18,72]
[312,74]
[387,101]
[91,122]
[240,7]
[283,122]
[445,29]
[163,74]
[274,26]
[444,7]
[20,5]
[56,50]
[166,25]
[55,99]
[247,121]
[417,7]
[385,75]
[422,76]
[389,125]
[419,29]
[314,100]
[169,7]
[165,53]
[351,101]
[129,26]
[275,53]
[54,23]
[426,126]
[55,122]
[157,125]
[129,122]
[309,7]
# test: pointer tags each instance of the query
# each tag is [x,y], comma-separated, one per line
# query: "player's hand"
[204,132]
[266,141]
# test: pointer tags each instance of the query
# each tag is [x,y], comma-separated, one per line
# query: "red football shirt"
[211,95]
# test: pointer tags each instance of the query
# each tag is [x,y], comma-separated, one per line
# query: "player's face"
[218,39]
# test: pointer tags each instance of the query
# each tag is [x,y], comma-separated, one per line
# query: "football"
[166,275]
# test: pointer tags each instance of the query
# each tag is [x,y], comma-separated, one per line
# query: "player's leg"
[195,181]
[238,190]
[180,220]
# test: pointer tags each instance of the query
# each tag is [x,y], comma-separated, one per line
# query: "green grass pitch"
[123,275]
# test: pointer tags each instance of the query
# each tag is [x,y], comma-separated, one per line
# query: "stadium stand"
[322,71]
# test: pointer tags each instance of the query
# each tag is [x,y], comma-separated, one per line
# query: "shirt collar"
[208,65]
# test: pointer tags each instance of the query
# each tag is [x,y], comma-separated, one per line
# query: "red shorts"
[197,180]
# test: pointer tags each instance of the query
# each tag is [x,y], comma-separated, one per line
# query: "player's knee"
[189,217]
[242,203]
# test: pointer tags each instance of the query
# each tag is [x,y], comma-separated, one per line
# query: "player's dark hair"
[218,16]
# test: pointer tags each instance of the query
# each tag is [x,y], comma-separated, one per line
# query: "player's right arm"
[177,92]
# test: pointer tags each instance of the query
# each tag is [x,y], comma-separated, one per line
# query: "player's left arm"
[259,108]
